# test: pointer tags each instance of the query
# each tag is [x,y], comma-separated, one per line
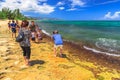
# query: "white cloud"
[45,9]
[116,15]
[42,0]
[60,3]
[107,2]
[72,9]
[39,6]
[61,8]
[77,3]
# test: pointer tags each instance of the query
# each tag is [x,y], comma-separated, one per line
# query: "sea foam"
[45,32]
[110,45]
[97,51]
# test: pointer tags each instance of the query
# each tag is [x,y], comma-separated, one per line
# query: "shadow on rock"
[33,62]
[62,55]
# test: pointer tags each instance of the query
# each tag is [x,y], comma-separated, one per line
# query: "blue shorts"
[13,30]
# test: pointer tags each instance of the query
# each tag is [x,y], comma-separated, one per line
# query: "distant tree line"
[6,13]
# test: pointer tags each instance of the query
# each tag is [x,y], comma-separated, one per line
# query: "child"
[33,36]
[58,42]
[39,35]
[9,25]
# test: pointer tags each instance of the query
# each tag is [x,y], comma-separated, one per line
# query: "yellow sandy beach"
[45,66]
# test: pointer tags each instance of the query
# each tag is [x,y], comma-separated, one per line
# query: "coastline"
[78,64]
[88,55]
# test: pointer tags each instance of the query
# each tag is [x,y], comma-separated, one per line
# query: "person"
[25,44]
[13,28]
[33,36]
[58,42]
[32,27]
[39,35]
[9,25]
[37,28]
[17,25]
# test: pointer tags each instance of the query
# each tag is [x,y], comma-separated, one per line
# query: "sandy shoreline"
[87,55]
[79,64]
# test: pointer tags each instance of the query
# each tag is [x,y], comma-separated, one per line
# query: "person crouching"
[58,43]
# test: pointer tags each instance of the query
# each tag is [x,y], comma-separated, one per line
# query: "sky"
[67,9]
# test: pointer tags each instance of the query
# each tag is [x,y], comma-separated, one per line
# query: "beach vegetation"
[6,13]
[100,78]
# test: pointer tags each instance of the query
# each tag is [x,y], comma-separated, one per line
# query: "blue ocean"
[98,36]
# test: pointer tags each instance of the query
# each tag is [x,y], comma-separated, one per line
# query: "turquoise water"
[104,35]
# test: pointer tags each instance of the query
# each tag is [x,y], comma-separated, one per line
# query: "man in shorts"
[58,42]
[32,28]
[13,28]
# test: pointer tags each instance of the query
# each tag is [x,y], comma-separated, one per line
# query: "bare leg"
[38,41]
[15,35]
[61,51]
[25,59]
[55,52]
[27,62]
[12,35]
[9,30]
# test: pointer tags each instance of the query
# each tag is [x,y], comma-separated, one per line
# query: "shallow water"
[104,35]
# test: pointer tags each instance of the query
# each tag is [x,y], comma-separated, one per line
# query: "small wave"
[110,45]
[96,51]
[45,32]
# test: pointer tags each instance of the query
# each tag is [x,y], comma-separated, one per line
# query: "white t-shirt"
[33,35]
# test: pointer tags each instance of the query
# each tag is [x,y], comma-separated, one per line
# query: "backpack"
[20,36]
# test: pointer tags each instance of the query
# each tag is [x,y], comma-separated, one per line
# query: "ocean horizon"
[98,36]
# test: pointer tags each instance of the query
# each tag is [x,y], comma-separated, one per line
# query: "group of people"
[33,32]
[36,32]
[14,27]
